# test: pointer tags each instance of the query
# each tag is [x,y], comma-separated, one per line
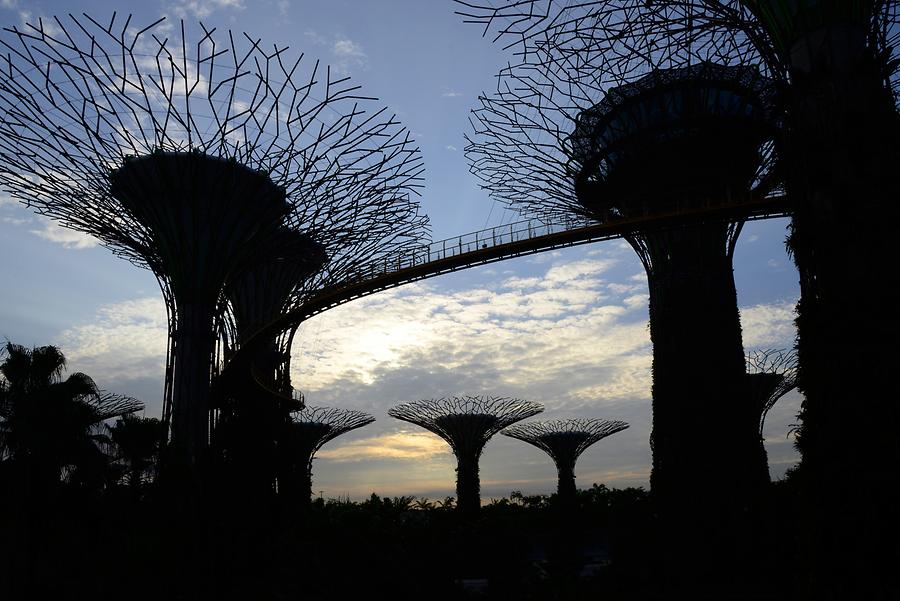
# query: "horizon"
[566,328]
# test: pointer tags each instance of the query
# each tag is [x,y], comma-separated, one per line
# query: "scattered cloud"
[284,7]
[451,94]
[201,9]
[123,348]
[52,231]
[451,148]
[349,55]
[398,445]
[569,333]
[346,54]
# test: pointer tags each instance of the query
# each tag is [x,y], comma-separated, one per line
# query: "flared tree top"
[261,291]
[466,423]
[312,427]
[84,105]
[771,374]
[692,132]
[565,439]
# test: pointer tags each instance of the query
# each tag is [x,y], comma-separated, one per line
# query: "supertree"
[565,441]
[308,430]
[835,64]
[771,374]
[467,424]
[186,157]
[660,140]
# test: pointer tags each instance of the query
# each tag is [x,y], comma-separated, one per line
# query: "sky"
[566,328]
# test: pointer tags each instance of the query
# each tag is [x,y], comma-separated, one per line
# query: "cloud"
[451,94]
[569,332]
[769,325]
[399,445]
[349,55]
[451,148]
[52,231]
[202,9]
[123,348]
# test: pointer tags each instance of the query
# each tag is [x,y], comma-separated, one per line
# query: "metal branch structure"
[565,441]
[308,430]
[466,424]
[835,63]
[600,122]
[195,158]
[771,374]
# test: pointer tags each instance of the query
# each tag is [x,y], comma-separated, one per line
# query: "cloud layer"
[568,330]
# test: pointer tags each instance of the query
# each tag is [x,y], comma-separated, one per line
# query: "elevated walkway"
[505,242]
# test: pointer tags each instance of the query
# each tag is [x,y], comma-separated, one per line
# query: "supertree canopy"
[834,62]
[565,134]
[771,374]
[195,159]
[565,440]
[467,424]
[308,430]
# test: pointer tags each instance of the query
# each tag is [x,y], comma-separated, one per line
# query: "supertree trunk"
[842,155]
[468,484]
[195,342]
[693,308]
[565,487]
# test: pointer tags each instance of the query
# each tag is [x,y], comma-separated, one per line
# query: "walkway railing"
[466,244]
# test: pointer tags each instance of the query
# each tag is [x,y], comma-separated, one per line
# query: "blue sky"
[567,328]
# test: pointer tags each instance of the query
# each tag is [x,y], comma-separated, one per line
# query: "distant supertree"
[772,373]
[186,157]
[466,423]
[309,429]
[565,441]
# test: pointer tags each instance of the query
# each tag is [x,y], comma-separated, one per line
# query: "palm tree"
[137,441]
[50,427]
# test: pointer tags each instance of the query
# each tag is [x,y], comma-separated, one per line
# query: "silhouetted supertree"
[670,141]
[565,441]
[772,373]
[466,423]
[309,429]
[185,157]
[835,62]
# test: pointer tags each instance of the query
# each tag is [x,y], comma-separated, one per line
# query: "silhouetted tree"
[48,424]
[565,441]
[51,429]
[466,423]
[137,441]
[308,430]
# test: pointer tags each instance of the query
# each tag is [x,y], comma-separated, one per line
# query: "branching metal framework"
[467,424]
[835,62]
[602,119]
[772,373]
[608,117]
[309,429]
[565,440]
[185,156]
